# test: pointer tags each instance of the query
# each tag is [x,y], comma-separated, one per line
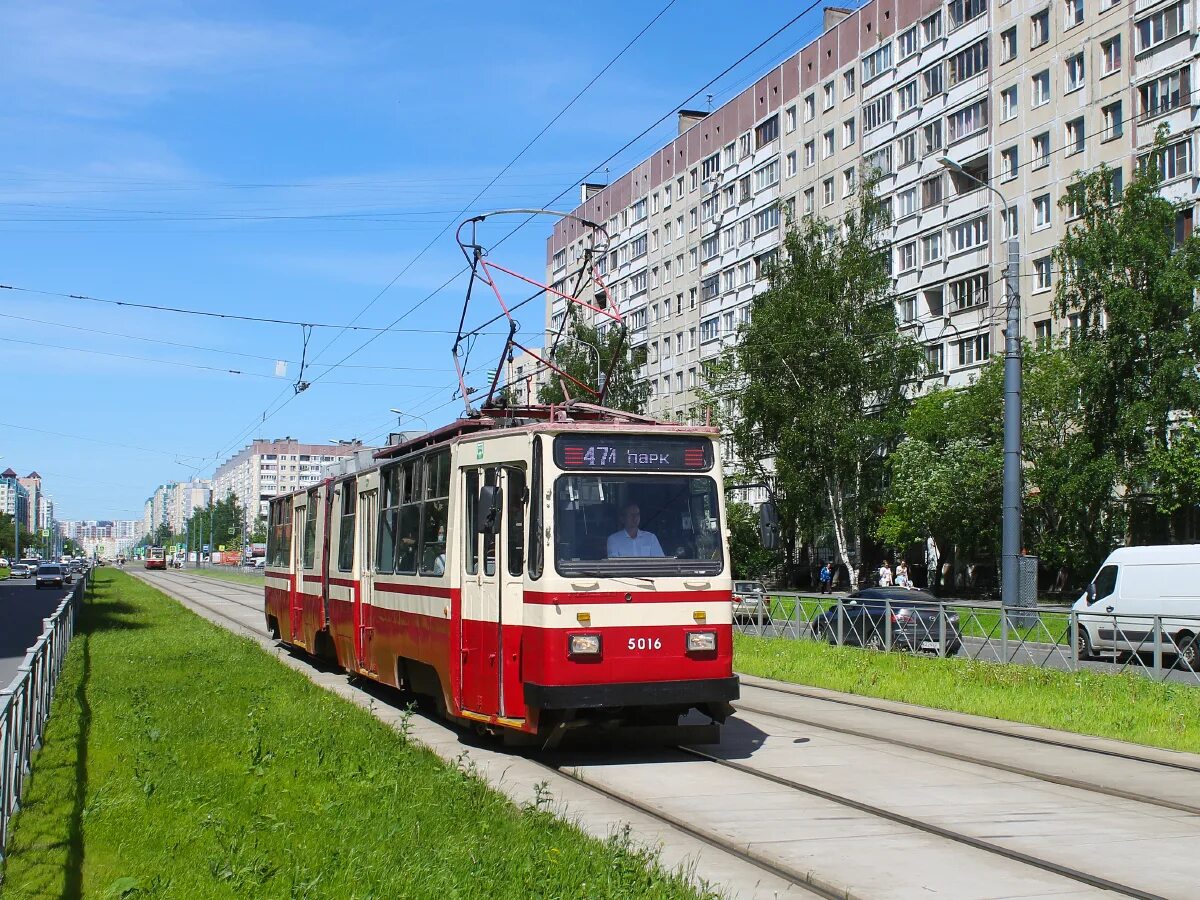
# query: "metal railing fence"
[1160,646]
[25,703]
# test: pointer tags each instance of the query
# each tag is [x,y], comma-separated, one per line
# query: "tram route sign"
[633,452]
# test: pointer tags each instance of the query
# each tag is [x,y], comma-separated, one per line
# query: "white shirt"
[644,544]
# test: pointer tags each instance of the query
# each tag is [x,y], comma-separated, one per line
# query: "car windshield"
[49,570]
[637,525]
[748,587]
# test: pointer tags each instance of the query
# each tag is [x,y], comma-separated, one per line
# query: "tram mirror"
[487,511]
[768,526]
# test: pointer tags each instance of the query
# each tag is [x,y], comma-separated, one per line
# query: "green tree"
[585,352]
[1128,282]
[748,558]
[258,535]
[815,385]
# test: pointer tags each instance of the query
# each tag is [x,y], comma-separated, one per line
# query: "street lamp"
[1010,531]
[403,415]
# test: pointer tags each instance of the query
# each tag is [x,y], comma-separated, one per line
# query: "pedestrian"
[885,575]
[826,578]
[902,579]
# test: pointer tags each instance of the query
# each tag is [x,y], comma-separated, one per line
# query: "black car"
[50,575]
[885,618]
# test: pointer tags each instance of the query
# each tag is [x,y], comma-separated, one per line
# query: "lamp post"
[1010,531]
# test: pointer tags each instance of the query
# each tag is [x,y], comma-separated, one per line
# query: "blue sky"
[288,160]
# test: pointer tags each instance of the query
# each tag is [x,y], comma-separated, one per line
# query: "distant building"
[33,487]
[263,468]
[524,375]
[14,498]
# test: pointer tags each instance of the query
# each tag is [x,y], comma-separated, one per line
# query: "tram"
[549,569]
[156,558]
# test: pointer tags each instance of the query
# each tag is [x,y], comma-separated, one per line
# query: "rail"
[1165,647]
[25,703]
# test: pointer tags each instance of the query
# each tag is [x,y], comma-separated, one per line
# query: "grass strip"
[4,572]
[228,575]
[182,761]
[1127,706]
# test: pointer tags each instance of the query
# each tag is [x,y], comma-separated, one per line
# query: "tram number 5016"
[645,643]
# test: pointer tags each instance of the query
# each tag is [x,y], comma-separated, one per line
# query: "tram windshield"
[637,525]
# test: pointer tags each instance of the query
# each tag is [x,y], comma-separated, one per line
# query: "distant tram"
[551,569]
[156,558]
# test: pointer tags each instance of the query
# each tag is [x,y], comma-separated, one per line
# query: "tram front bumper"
[692,692]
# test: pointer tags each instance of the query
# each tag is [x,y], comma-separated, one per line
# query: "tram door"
[296,582]
[363,630]
[493,565]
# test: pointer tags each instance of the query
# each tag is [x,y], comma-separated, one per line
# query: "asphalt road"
[22,609]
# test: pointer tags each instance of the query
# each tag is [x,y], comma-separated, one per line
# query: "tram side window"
[346,529]
[536,536]
[310,531]
[516,520]
[279,536]
[389,519]
[471,501]
[435,514]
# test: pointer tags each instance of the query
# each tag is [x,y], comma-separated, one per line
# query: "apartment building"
[14,498]
[1019,94]
[524,374]
[263,468]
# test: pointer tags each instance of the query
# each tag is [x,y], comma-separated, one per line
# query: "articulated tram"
[550,569]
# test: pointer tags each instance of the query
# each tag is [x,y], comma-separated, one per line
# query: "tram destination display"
[643,453]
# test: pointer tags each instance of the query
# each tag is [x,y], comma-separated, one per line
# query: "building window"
[906,257]
[790,164]
[908,308]
[1008,103]
[827,144]
[966,121]
[1009,222]
[1171,162]
[906,97]
[877,62]
[875,114]
[974,350]
[906,203]
[932,138]
[932,81]
[711,166]
[827,194]
[1041,88]
[847,83]
[848,132]
[830,95]
[906,44]
[1042,273]
[766,176]
[935,359]
[809,200]
[908,148]
[1008,45]
[1041,212]
[931,29]
[789,119]
[1165,93]
[1041,150]
[810,154]
[1110,55]
[880,161]
[931,191]
[1159,27]
[968,292]
[810,108]
[931,247]
[1074,136]
[847,182]
[1072,13]
[969,62]
[1042,334]
[1075,74]
[766,132]
[766,220]
[968,235]
[963,11]
[1039,28]
[1114,120]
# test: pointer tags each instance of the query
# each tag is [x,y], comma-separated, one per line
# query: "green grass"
[181,761]
[1128,707]
[4,572]
[228,575]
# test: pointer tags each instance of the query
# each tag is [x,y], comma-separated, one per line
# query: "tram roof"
[553,417]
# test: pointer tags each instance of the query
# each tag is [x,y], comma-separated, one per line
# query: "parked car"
[914,621]
[19,570]
[50,575]
[749,599]
[1135,585]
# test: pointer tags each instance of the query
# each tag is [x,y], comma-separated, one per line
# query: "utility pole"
[1010,527]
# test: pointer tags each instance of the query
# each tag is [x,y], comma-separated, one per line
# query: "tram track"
[158,582]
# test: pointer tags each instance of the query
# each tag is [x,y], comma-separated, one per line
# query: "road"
[22,609]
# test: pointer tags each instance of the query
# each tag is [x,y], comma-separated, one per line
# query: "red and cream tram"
[156,558]
[528,574]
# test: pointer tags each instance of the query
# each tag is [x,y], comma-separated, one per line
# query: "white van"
[1135,584]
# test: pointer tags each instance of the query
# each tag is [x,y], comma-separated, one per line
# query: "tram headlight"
[701,641]
[583,645]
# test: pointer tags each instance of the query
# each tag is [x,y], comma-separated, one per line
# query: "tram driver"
[631,540]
